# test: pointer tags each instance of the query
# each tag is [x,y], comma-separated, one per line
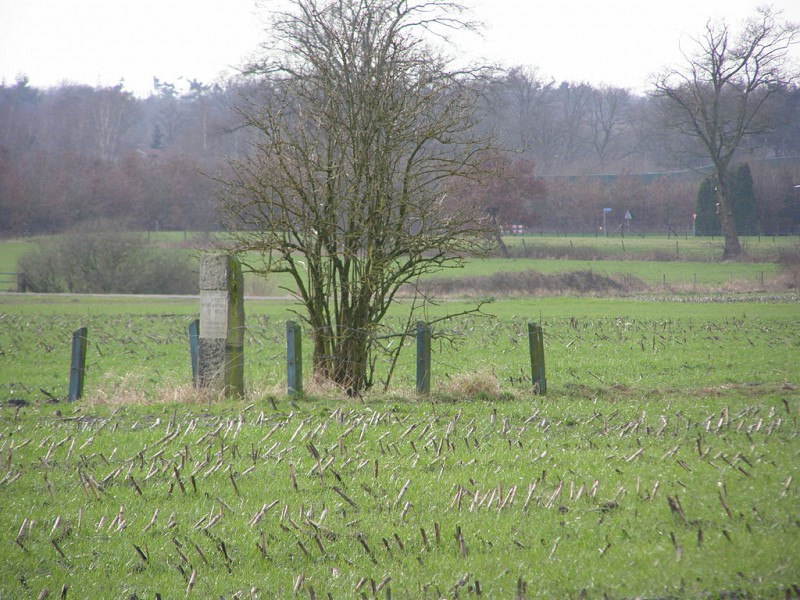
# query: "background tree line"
[75,153]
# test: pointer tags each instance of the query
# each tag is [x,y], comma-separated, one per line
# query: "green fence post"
[194,350]
[78,364]
[423,358]
[536,340]
[294,358]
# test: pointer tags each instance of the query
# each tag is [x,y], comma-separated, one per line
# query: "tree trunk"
[351,367]
[342,361]
[725,214]
[498,236]
[501,244]
[323,353]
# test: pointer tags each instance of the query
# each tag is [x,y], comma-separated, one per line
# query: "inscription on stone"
[214,313]
[220,345]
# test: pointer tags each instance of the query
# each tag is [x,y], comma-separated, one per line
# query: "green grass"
[560,496]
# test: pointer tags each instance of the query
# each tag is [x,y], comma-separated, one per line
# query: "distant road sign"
[628,216]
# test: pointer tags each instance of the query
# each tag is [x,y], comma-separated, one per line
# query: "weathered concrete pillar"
[221,342]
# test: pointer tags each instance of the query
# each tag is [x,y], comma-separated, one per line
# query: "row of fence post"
[294,358]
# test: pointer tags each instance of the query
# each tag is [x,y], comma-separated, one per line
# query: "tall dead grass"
[478,384]
[114,390]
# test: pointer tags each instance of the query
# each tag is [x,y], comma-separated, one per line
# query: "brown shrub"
[789,259]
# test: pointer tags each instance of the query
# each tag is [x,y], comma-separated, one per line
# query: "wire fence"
[12,281]
[149,353]
[152,352]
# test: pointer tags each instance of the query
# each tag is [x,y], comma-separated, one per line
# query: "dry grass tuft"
[128,390]
[479,384]
[322,387]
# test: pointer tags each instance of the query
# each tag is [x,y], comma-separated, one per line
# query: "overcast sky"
[100,42]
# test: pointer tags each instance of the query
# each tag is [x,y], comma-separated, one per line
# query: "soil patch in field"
[533,282]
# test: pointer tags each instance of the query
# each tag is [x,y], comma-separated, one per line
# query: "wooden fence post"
[78,364]
[423,358]
[536,341]
[294,358]
[194,350]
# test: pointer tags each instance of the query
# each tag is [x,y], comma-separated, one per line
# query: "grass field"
[663,462]
[684,274]
[685,264]
[656,260]
[652,247]
[621,495]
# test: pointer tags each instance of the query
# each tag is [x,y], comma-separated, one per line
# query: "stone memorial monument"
[221,340]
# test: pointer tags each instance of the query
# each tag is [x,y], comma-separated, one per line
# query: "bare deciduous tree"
[113,114]
[360,125]
[719,95]
[607,121]
[521,101]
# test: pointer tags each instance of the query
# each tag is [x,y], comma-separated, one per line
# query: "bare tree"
[520,97]
[506,193]
[573,100]
[114,112]
[720,94]
[360,126]
[171,117]
[607,120]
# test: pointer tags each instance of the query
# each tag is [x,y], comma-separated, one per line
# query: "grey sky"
[100,42]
